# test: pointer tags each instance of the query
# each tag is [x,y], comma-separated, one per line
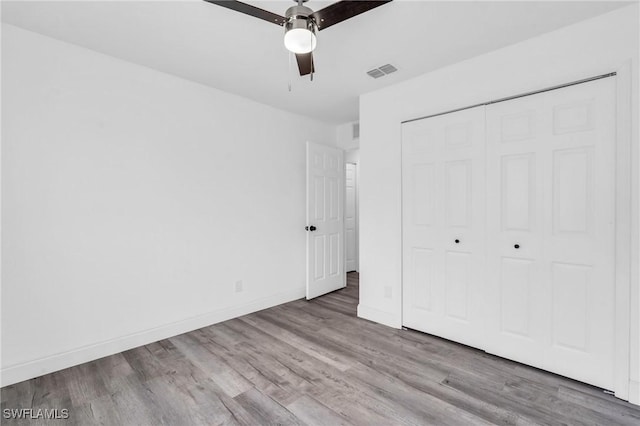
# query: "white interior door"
[551,198]
[351,217]
[325,220]
[443,225]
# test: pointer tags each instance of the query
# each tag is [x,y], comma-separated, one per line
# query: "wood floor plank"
[265,410]
[312,362]
[485,391]
[620,413]
[359,407]
[255,374]
[84,383]
[310,348]
[312,412]
[432,402]
[143,363]
[135,404]
[100,411]
[231,382]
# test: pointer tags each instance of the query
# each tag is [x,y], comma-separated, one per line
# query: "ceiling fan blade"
[247,9]
[305,63]
[343,10]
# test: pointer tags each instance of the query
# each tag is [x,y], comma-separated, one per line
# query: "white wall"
[132,203]
[345,138]
[352,156]
[590,48]
[346,141]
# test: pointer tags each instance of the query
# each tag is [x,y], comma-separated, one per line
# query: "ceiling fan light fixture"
[300,40]
[300,30]
[301,24]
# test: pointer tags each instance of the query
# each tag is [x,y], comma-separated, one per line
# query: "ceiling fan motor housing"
[299,17]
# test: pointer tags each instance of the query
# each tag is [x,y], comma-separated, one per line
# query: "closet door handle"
[457,241]
[517,246]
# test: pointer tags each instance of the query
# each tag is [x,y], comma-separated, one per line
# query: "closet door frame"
[624,228]
[626,203]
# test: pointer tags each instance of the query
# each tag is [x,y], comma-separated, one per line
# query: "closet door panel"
[422,182]
[514,240]
[443,230]
[580,235]
[550,259]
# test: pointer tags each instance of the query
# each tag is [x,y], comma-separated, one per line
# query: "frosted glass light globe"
[300,40]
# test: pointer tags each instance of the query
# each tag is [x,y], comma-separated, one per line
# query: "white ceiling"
[244,55]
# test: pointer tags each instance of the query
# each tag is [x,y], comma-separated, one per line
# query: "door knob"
[517,246]
[310,228]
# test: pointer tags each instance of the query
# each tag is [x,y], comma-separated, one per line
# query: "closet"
[509,228]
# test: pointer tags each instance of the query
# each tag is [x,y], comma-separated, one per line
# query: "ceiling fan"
[301,23]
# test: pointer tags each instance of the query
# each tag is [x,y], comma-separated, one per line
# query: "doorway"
[351,216]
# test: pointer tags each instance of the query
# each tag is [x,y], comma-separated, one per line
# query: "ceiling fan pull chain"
[289,75]
[311,54]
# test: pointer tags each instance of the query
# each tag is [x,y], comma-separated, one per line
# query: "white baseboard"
[381,317]
[29,370]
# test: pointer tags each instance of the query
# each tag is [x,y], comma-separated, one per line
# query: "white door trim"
[624,165]
[356,213]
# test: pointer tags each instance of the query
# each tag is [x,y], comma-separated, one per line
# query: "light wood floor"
[313,363]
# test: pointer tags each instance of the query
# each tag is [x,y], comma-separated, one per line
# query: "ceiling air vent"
[388,69]
[382,71]
[376,73]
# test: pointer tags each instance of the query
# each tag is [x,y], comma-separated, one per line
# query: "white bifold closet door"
[521,264]
[550,222]
[443,225]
